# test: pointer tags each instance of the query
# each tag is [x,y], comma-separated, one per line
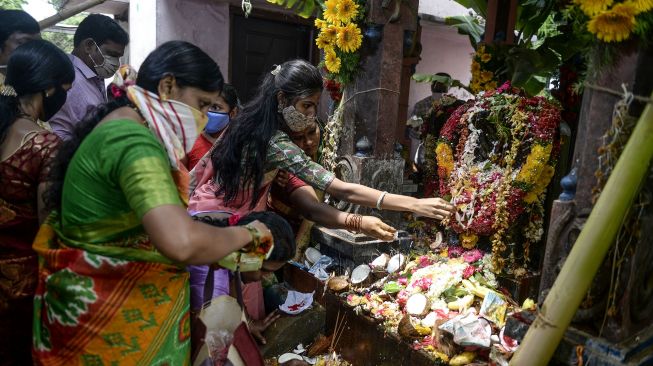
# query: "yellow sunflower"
[614,25]
[347,10]
[331,61]
[593,7]
[331,11]
[349,38]
[476,67]
[330,33]
[486,57]
[486,76]
[323,41]
[320,24]
[642,5]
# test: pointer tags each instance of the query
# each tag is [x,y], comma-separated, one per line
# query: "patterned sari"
[20,175]
[106,296]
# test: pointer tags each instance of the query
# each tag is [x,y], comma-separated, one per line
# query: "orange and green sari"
[105,295]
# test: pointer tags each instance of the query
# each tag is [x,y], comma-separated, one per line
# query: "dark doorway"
[258,44]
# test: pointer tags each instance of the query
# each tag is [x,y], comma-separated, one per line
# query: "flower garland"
[340,38]
[616,21]
[483,62]
[496,156]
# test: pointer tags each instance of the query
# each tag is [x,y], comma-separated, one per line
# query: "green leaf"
[392,287]
[429,78]
[303,8]
[467,25]
[479,6]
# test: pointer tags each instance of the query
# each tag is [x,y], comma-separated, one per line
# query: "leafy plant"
[303,8]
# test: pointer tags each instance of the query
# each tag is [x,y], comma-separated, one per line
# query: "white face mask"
[108,67]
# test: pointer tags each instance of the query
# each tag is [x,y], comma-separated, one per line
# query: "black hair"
[438,87]
[230,95]
[239,159]
[32,68]
[101,29]
[190,66]
[12,21]
[284,238]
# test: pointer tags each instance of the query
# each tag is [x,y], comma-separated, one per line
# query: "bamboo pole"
[67,13]
[590,248]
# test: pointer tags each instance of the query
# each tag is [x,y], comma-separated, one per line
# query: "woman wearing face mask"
[298,202]
[239,172]
[224,110]
[113,288]
[38,75]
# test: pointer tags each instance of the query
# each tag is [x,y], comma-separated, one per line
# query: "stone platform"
[351,250]
[364,341]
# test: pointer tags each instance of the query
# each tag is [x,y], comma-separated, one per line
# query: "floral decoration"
[616,21]
[496,156]
[340,38]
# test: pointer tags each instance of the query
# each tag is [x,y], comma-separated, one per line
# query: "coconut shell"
[361,275]
[418,305]
[406,329]
[396,263]
[410,329]
[338,284]
[380,262]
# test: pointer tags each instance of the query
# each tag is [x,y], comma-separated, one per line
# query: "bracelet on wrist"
[379,202]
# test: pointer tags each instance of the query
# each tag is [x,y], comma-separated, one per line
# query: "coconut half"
[289,356]
[380,262]
[418,305]
[360,274]
[312,255]
[396,263]
[338,283]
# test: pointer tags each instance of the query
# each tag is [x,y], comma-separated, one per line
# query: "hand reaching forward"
[435,208]
[374,227]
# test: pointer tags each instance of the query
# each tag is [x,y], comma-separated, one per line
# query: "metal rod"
[67,13]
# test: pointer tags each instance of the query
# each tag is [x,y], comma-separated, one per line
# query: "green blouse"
[119,172]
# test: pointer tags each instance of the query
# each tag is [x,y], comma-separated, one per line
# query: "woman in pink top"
[237,175]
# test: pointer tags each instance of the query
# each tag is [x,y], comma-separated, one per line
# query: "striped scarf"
[175,124]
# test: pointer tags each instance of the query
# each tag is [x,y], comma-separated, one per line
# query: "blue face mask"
[217,122]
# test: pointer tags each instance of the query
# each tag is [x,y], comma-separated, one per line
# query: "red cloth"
[200,148]
[279,201]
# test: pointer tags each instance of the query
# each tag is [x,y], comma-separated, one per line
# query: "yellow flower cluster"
[468,240]
[444,154]
[338,32]
[612,22]
[540,185]
[482,79]
[535,163]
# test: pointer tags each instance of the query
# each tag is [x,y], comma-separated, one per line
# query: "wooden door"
[258,44]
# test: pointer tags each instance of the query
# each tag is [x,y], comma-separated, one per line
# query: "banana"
[462,359]
[462,303]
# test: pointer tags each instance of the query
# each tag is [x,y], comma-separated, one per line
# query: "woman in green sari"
[112,284]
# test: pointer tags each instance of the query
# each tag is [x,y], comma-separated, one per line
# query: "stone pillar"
[368,144]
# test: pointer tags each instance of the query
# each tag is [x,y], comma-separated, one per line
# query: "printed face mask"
[217,122]
[296,120]
[108,67]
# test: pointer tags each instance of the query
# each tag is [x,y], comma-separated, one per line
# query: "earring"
[279,108]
